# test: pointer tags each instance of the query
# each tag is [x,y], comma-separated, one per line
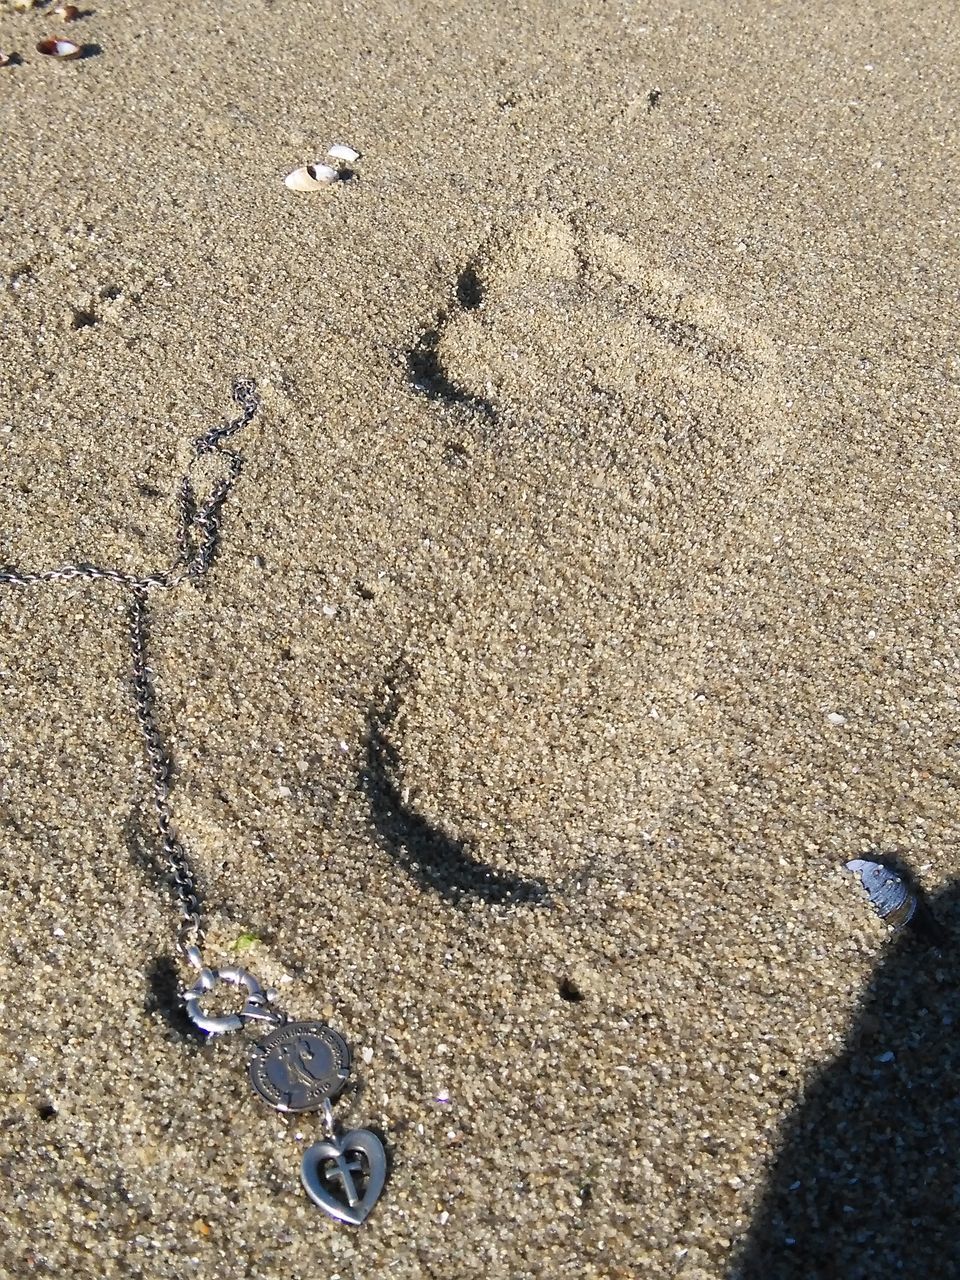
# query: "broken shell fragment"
[6,59]
[311,177]
[339,151]
[59,48]
[892,897]
[67,12]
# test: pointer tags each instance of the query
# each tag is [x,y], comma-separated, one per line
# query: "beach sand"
[599,530]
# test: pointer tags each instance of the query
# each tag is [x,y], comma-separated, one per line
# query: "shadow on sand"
[437,861]
[867,1182]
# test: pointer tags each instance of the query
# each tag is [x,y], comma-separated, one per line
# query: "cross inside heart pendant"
[345,1175]
[300,1066]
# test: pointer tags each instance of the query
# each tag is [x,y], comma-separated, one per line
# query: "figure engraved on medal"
[299,1066]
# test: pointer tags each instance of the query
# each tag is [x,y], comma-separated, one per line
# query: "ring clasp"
[255,1009]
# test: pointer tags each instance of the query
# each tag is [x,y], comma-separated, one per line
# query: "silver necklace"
[295,1066]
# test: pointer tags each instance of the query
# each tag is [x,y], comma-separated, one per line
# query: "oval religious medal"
[300,1065]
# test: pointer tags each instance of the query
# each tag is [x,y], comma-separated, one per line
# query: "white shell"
[310,177]
[339,151]
[58,48]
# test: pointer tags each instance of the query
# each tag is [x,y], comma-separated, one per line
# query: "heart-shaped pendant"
[354,1160]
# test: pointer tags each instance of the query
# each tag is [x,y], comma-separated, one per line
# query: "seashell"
[339,151]
[311,177]
[892,897]
[57,47]
[7,59]
[67,13]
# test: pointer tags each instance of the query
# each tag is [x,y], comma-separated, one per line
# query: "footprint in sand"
[581,335]
[621,428]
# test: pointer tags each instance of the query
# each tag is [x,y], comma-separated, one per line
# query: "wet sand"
[587,598]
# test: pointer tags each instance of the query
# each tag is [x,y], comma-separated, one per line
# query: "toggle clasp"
[255,1010]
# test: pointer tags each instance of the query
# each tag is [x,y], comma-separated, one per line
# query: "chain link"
[199,536]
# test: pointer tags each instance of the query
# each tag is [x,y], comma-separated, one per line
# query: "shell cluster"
[313,177]
[59,48]
[890,894]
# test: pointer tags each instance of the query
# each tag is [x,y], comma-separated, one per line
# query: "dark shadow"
[82,318]
[428,376]
[867,1182]
[569,991]
[469,288]
[434,859]
[164,996]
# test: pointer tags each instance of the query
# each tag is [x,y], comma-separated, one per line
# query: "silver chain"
[296,1066]
[199,536]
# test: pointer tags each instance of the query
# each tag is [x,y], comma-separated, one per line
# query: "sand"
[599,530]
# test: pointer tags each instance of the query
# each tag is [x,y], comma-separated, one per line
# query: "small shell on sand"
[6,58]
[67,13]
[893,900]
[311,177]
[59,48]
[340,151]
